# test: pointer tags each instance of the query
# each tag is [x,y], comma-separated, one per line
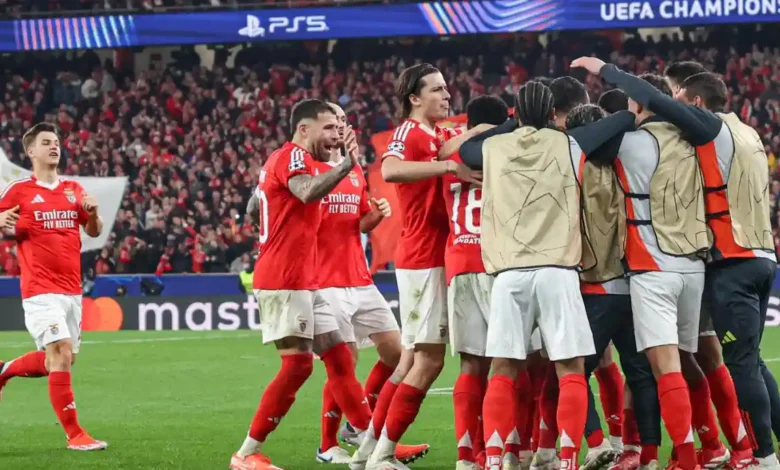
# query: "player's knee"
[575,365]
[59,356]
[430,358]
[709,354]
[506,367]
[664,359]
[302,370]
[690,368]
[474,365]
[388,346]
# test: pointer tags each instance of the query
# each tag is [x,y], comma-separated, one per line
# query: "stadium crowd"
[192,140]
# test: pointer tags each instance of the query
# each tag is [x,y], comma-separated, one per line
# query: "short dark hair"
[308,109]
[546,81]
[658,82]
[411,83]
[680,71]
[534,104]
[583,115]
[568,93]
[613,101]
[709,87]
[32,133]
[486,109]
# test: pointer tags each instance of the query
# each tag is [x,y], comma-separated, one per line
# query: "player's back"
[341,260]
[464,209]
[424,232]
[48,234]
[288,227]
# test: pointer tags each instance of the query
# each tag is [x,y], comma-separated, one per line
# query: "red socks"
[467,399]
[346,389]
[32,364]
[595,438]
[379,374]
[61,397]
[280,394]
[548,410]
[724,397]
[677,415]
[524,402]
[572,413]
[648,454]
[498,417]
[703,417]
[382,407]
[403,410]
[611,396]
[630,430]
[331,419]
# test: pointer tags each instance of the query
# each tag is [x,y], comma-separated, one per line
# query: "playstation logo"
[252,28]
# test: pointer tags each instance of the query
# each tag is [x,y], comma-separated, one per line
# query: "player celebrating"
[46,212]
[293,315]
[536,281]
[729,260]
[363,315]
[468,287]
[411,162]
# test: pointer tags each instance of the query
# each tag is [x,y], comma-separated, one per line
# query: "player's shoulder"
[289,155]
[19,184]
[69,183]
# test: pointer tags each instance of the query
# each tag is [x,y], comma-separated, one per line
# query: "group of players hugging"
[531,242]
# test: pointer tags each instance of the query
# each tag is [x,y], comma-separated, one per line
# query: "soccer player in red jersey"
[468,287]
[45,212]
[293,315]
[363,315]
[411,161]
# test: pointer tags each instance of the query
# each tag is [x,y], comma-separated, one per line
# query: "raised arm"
[310,188]
[608,131]
[471,150]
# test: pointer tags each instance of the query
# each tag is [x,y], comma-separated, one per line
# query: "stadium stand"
[192,140]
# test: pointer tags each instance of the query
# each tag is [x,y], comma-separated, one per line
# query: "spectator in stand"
[192,141]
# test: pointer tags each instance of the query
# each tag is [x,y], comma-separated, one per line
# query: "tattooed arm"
[309,188]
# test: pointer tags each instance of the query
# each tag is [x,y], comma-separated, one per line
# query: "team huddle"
[533,242]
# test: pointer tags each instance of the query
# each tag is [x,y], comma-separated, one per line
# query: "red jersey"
[288,227]
[464,207]
[341,260]
[424,233]
[48,234]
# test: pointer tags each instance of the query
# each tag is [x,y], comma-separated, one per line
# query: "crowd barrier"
[423,19]
[193,302]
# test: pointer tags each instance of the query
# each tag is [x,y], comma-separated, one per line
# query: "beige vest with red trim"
[748,188]
[530,201]
[677,194]
[604,223]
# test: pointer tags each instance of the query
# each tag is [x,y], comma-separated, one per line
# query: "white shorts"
[360,312]
[422,295]
[666,309]
[468,305]
[536,343]
[298,313]
[547,297]
[53,317]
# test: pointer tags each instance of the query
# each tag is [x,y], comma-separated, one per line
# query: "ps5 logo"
[309,24]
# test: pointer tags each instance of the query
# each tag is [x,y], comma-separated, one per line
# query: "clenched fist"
[382,206]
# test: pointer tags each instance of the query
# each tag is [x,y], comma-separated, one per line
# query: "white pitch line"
[144,340]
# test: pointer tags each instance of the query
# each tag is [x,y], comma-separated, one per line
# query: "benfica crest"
[70,196]
[353,177]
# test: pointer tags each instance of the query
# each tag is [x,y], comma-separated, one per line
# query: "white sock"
[384,447]
[5,366]
[768,461]
[249,447]
[616,442]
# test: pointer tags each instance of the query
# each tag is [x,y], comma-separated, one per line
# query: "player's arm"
[698,125]
[9,210]
[379,210]
[600,141]
[471,150]
[452,145]
[310,188]
[253,207]
[92,222]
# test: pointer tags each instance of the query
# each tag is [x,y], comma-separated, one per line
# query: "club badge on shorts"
[54,329]
[302,326]
[353,178]
[70,196]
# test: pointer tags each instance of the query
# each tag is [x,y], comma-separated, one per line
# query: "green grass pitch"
[184,400]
